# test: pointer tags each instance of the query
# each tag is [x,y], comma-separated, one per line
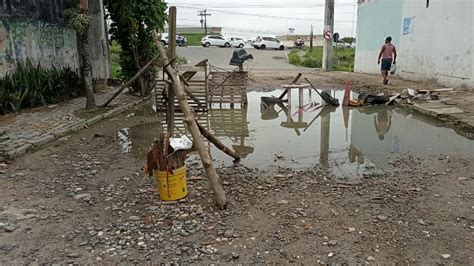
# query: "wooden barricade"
[197,88]
[228,87]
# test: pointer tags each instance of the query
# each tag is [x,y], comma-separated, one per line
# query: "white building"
[434,38]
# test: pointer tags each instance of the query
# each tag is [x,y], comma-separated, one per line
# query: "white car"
[215,40]
[342,44]
[164,38]
[237,42]
[268,43]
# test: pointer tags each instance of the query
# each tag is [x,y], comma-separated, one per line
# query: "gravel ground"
[81,200]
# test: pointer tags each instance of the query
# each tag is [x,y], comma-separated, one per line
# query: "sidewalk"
[35,127]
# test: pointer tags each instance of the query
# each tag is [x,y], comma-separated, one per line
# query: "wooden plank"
[295,86]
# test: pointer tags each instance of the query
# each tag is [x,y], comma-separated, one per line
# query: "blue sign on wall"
[407,25]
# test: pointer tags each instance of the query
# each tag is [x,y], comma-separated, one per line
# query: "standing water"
[345,141]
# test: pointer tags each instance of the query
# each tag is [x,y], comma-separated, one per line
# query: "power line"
[263,16]
[240,6]
[204,14]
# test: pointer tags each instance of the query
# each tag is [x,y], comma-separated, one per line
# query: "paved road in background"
[264,60]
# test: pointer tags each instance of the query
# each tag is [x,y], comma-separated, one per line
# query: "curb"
[36,144]
[461,127]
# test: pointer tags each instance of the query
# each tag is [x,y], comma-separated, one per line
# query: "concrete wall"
[377,19]
[434,42]
[45,43]
[437,43]
[36,30]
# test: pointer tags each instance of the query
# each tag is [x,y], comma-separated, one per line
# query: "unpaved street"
[264,60]
[84,199]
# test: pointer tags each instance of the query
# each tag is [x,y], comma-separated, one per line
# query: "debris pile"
[409,96]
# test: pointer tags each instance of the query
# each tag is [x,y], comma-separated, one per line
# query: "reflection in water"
[267,109]
[324,147]
[345,141]
[231,124]
[382,123]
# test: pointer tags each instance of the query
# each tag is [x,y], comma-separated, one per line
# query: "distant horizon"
[267,17]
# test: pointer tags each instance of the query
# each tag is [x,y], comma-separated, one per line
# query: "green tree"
[133,21]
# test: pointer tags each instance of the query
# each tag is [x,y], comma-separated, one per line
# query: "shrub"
[312,62]
[31,86]
[181,60]
[294,58]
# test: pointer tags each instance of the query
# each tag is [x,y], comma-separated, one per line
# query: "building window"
[427,3]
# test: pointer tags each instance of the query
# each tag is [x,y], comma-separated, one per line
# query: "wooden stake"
[218,143]
[293,82]
[124,86]
[172,56]
[190,120]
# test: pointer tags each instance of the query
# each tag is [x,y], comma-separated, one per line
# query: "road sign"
[327,35]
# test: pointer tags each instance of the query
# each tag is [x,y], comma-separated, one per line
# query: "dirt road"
[264,60]
[85,200]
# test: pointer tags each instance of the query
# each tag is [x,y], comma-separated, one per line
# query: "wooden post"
[171,56]
[300,113]
[206,78]
[289,104]
[190,120]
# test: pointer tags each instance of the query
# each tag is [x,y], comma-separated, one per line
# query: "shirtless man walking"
[388,54]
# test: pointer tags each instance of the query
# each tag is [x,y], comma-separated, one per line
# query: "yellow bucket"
[172,186]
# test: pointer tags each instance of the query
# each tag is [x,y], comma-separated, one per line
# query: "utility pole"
[311,36]
[328,32]
[203,14]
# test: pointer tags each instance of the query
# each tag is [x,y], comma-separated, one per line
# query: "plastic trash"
[393,68]
[182,143]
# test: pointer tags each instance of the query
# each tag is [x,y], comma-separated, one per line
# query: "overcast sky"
[249,18]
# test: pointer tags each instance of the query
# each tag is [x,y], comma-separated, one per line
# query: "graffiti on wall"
[40,42]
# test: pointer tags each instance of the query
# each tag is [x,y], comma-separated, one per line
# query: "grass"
[194,39]
[343,58]
[294,58]
[115,50]
[181,60]
[116,69]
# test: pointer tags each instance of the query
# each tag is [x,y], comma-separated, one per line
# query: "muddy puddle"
[347,142]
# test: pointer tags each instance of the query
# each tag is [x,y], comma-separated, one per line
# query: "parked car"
[180,40]
[215,40]
[268,43]
[164,39]
[237,42]
[341,44]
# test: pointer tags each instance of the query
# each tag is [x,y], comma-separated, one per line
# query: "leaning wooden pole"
[190,121]
[124,86]
[217,143]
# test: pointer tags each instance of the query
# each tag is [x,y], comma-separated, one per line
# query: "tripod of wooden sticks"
[196,130]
